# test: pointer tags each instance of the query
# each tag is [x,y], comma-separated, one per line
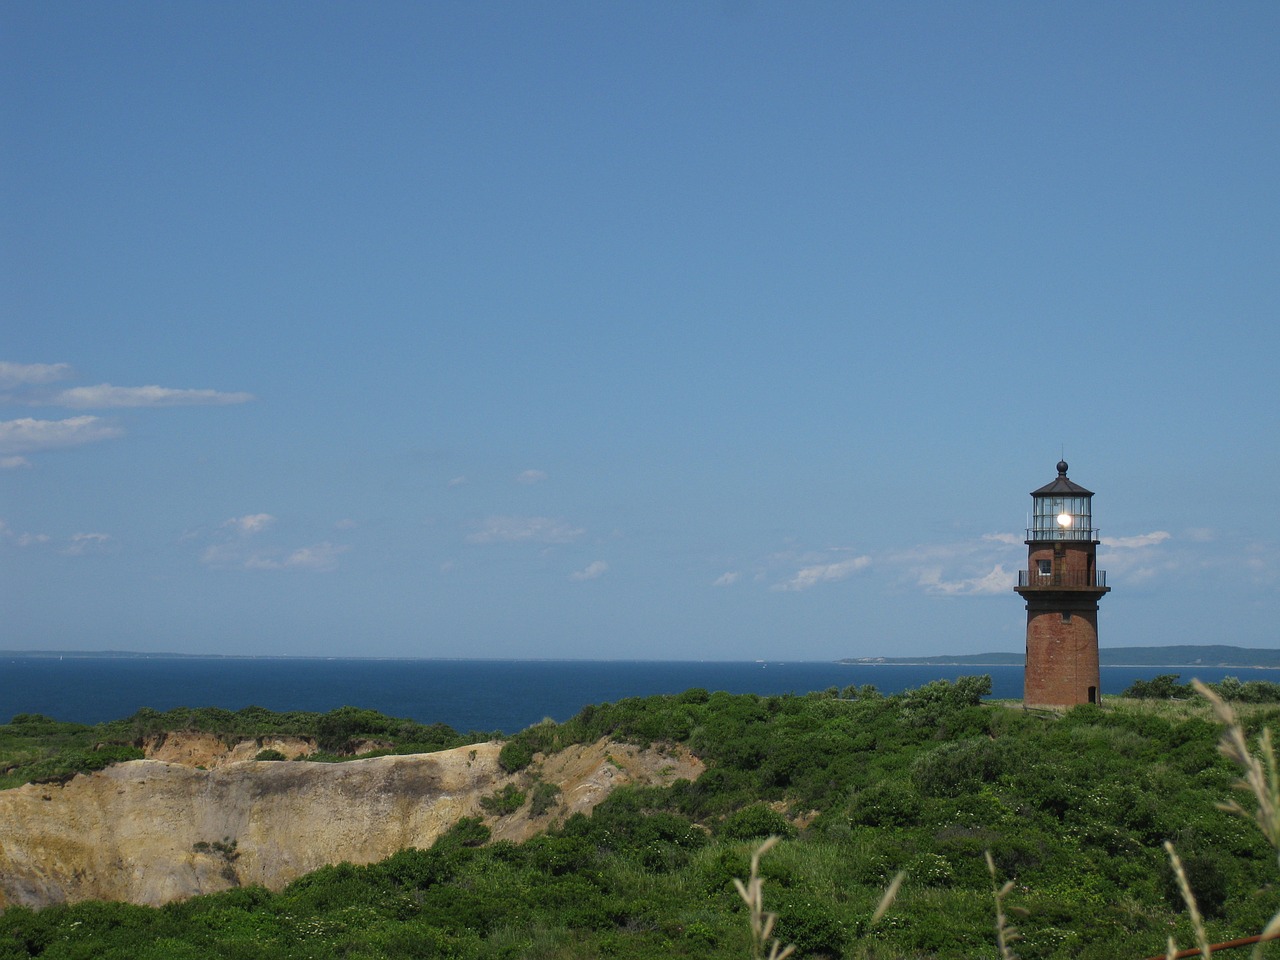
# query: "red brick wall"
[1076,562]
[1062,651]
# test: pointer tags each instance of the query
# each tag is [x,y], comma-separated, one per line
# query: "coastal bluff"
[155,830]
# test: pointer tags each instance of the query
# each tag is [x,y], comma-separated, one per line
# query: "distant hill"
[1179,656]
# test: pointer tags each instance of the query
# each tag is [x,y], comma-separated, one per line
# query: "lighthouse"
[1062,586]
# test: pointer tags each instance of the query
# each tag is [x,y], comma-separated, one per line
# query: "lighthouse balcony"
[1062,579]
[1047,532]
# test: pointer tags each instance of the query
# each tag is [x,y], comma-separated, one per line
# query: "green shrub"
[515,755]
[65,765]
[757,820]
[931,870]
[1209,875]
[809,924]
[956,768]
[505,801]
[545,796]
[270,754]
[887,804]
[1163,687]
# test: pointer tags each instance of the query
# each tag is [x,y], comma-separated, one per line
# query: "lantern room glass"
[1061,518]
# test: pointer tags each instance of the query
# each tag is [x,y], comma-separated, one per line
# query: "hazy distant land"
[1216,655]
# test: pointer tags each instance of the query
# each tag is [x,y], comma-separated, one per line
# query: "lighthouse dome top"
[1062,486]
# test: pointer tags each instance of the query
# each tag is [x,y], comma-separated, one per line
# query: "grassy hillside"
[1072,808]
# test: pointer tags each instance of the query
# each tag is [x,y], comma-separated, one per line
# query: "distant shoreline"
[1176,657]
[1183,657]
[1012,663]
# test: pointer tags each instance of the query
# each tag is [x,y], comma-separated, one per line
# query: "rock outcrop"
[151,831]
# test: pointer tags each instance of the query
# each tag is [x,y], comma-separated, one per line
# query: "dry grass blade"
[1189,898]
[1260,778]
[1260,775]
[890,894]
[761,921]
[1006,933]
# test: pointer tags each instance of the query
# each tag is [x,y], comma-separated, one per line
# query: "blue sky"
[720,330]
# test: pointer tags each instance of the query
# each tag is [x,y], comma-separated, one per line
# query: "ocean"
[468,695]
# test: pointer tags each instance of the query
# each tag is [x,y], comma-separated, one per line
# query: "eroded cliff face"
[151,831]
[209,751]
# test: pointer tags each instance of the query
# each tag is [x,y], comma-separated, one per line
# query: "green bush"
[956,768]
[545,796]
[1209,875]
[757,820]
[505,801]
[64,766]
[810,924]
[1163,687]
[515,755]
[888,804]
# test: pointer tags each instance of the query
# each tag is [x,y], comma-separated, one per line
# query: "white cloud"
[106,395]
[457,481]
[14,463]
[824,573]
[530,477]
[524,529]
[82,543]
[21,374]
[1134,543]
[954,568]
[996,582]
[321,558]
[251,523]
[345,524]
[236,555]
[26,378]
[242,544]
[27,434]
[77,545]
[21,539]
[1136,558]
[592,570]
[222,555]
[727,579]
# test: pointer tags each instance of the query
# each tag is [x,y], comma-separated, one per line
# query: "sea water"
[468,695]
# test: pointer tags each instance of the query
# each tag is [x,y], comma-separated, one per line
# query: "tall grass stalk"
[1193,908]
[890,894]
[1006,933]
[1260,778]
[752,894]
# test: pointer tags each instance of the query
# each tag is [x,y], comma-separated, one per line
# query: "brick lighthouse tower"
[1062,586]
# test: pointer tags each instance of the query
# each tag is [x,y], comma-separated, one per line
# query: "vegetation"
[35,748]
[504,802]
[1167,687]
[1061,819]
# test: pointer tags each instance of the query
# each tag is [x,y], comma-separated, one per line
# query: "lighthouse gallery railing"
[1064,578]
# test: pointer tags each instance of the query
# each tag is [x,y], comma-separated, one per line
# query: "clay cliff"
[202,819]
